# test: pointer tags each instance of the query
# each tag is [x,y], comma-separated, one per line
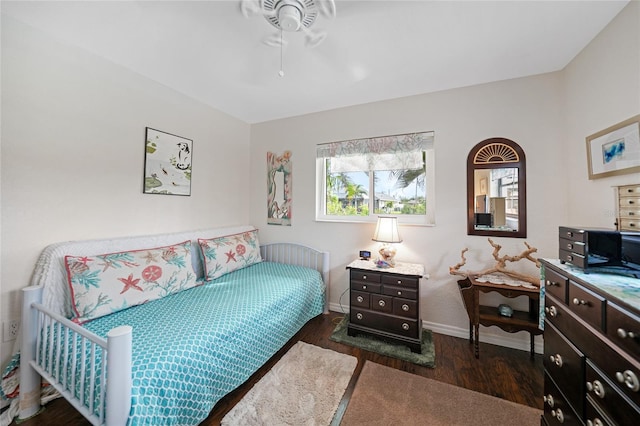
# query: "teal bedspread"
[192,348]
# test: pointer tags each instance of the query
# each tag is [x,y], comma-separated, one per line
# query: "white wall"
[73,128]
[602,88]
[525,110]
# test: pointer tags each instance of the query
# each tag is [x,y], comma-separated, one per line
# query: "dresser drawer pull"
[569,234]
[552,311]
[579,302]
[549,400]
[631,202]
[631,213]
[594,422]
[405,326]
[360,299]
[596,387]
[359,315]
[399,281]
[629,379]
[364,287]
[631,224]
[552,283]
[381,303]
[556,359]
[558,414]
[405,307]
[569,246]
[364,277]
[399,293]
[623,334]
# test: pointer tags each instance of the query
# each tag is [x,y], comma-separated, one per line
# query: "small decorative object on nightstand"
[386,303]
[387,233]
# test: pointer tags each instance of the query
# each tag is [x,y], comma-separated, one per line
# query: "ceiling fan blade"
[313,38]
[327,8]
[274,40]
[249,8]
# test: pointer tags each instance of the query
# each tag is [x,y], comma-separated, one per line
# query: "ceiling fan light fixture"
[289,17]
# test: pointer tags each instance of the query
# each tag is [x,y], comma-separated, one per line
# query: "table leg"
[477,338]
[531,336]
[470,332]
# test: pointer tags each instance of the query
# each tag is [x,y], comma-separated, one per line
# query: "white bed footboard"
[297,254]
[95,377]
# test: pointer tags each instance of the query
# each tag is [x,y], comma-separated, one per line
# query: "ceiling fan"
[291,16]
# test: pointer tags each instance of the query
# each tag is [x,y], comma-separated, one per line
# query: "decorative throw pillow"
[226,254]
[107,283]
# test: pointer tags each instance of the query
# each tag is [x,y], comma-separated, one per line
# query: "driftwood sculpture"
[501,264]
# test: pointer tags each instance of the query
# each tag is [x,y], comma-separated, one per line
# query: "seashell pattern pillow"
[107,283]
[226,254]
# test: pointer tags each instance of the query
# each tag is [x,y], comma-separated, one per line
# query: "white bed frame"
[44,305]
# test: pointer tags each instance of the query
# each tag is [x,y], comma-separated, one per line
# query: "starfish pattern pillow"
[226,254]
[107,283]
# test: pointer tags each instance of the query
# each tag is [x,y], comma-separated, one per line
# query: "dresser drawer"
[594,416]
[630,224]
[382,303]
[572,246]
[630,201]
[406,293]
[405,308]
[360,299]
[629,191]
[365,276]
[565,365]
[623,328]
[400,280]
[632,213]
[607,398]
[587,305]
[556,284]
[556,409]
[383,322]
[366,286]
[572,234]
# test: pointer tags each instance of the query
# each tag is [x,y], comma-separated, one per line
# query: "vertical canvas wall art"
[279,180]
[167,163]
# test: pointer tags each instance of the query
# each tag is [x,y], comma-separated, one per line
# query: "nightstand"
[386,302]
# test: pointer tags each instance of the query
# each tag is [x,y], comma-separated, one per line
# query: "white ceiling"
[374,50]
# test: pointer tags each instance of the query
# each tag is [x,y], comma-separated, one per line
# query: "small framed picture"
[167,163]
[615,150]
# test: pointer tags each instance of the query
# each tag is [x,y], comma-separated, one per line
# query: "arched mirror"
[496,189]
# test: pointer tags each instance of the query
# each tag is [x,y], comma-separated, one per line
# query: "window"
[392,175]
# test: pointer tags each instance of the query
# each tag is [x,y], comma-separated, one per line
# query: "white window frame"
[427,219]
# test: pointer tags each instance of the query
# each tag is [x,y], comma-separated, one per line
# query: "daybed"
[199,332]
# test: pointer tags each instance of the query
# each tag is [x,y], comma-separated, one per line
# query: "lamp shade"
[387,230]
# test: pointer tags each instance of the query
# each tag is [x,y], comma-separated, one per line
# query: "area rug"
[426,358]
[387,396]
[303,388]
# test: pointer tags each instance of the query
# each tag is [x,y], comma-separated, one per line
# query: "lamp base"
[387,256]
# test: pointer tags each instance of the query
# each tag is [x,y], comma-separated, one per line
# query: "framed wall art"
[615,150]
[279,181]
[167,163]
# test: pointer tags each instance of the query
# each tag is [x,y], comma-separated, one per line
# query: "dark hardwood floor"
[506,373]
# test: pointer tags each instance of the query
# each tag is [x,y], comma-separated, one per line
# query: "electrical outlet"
[11,328]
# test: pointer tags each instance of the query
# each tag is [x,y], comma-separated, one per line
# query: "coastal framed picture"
[167,163]
[615,150]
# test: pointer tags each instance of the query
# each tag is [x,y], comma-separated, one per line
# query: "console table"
[487,316]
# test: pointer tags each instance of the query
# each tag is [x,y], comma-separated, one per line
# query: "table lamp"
[387,233]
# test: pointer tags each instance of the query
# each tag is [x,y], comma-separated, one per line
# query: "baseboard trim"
[519,340]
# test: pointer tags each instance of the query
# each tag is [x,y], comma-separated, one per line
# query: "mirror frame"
[497,162]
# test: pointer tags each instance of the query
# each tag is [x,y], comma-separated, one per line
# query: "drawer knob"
[551,311]
[549,400]
[359,315]
[381,303]
[579,302]
[558,414]
[360,299]
[596,387]
[399,281]
[405,307]
[594,422]
[364,277]
[556,359]
[405,326]
[549,283]
[629,379]
[399,293]
[569,246]
[364,287]
[623,334]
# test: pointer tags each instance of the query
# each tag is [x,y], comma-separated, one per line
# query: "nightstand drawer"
[399,280]
[405,308]
[366,286]
[360,275]
[403,292]
[386,323]
[381,303]
[360,299]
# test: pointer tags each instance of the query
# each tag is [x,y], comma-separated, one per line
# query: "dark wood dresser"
[591,347]
[386,302]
